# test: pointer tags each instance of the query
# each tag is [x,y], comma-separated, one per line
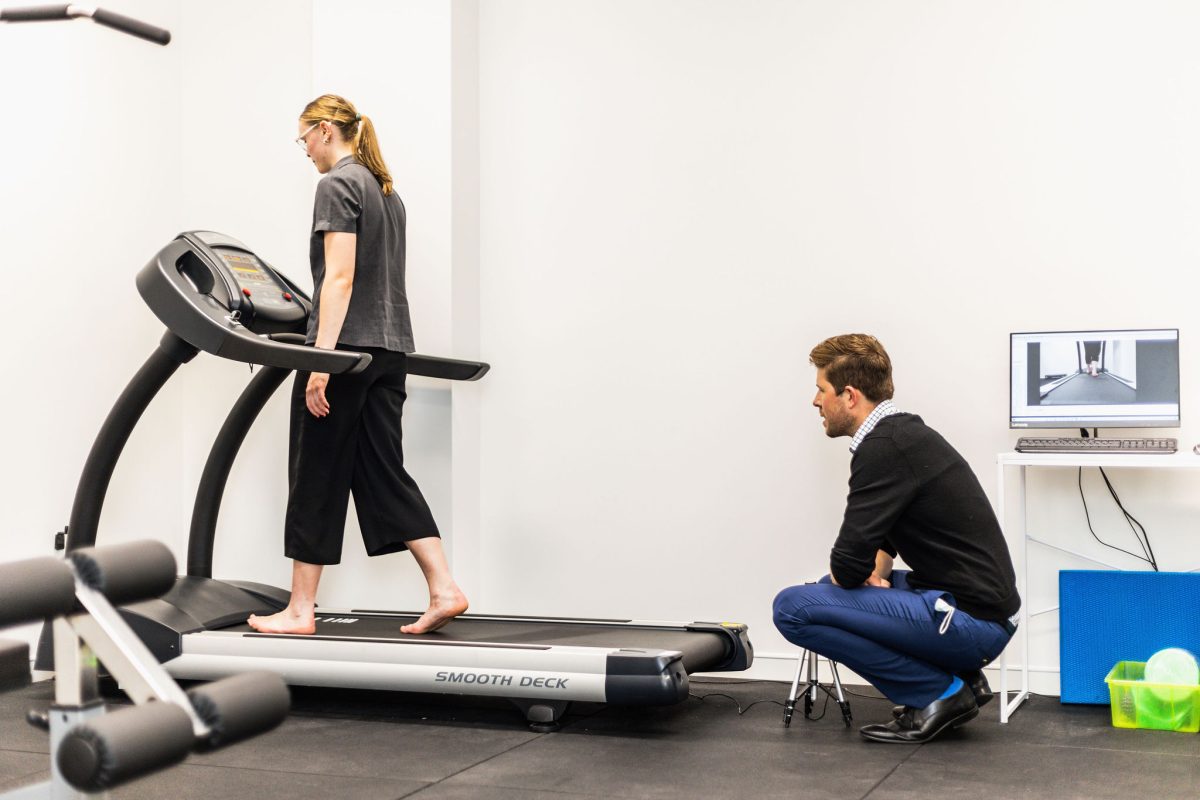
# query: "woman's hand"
[314,394]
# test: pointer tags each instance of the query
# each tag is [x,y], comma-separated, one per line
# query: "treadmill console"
[216,294]
[256,282]
[259,297]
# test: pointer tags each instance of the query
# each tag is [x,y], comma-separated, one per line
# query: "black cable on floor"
[824,708]
[741,710]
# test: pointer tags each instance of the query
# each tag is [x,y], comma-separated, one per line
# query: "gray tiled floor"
[379,745]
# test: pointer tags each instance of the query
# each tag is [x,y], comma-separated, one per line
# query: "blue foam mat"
[1106,617]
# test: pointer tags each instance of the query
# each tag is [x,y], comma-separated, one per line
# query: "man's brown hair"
[858,360]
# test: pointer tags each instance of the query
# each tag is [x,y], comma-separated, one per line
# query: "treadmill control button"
[287,295]
[246,292]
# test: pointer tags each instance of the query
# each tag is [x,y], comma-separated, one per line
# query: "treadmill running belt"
[701,649]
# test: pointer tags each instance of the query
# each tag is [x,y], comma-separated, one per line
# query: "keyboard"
[1076,444]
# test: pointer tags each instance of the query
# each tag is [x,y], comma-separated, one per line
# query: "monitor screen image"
[1095,379]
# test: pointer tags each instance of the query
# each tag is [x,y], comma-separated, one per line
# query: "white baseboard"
[782,667]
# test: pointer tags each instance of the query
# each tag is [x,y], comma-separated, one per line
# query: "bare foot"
[283,622]
[443,607]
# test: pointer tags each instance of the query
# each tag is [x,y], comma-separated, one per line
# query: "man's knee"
[794,600]
[790,608]
[781,605]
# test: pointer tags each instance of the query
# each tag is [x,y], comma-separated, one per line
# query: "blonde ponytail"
[366,150]
[355,129]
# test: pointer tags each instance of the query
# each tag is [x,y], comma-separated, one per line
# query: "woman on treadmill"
[345,430]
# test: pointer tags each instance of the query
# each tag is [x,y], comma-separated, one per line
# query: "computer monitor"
[1095,379]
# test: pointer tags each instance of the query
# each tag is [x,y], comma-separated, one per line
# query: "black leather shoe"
[979,687]
[919,725]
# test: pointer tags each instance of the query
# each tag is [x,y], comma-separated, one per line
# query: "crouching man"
[920,636]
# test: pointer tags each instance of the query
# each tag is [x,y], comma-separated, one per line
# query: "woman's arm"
[334,302]
[336,288]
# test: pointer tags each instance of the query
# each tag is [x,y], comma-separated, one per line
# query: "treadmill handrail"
[451,369]
[205,324]
[171,353]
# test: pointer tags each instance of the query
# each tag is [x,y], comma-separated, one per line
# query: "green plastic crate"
[1157,706]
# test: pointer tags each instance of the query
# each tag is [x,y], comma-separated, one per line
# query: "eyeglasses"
[300,139]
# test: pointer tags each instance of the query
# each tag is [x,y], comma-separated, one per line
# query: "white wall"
[395,68]
[128,144]
[645,220]
[90,147]
[1059,357]
[396,71]
[245,178]
[680,198]
[1123,360]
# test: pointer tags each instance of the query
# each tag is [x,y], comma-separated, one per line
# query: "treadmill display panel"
[255,280]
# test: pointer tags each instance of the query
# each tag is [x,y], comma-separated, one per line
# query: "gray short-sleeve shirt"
[349,200]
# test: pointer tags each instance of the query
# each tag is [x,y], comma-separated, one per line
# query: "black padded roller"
[126,573]
[120,746]
[241,705]
[14,664]
[35,589]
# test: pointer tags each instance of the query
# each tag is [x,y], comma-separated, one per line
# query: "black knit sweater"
[912,494]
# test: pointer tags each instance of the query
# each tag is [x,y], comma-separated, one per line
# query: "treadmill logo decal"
[491,679]
[344,620]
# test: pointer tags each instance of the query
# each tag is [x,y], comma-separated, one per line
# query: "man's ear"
[855,395]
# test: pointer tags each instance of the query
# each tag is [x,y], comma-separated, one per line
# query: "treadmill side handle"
[451,369]
[297,340]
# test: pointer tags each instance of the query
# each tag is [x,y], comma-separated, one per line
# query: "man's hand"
[875,580]
[314,394]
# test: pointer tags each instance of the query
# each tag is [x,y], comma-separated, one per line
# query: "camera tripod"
[811,687]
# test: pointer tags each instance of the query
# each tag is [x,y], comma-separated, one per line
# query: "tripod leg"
[790,706]
[841,698]
[810,693]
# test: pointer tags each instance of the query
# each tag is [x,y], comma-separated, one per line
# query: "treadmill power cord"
[742,710]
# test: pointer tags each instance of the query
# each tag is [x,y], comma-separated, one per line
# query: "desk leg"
[1007,708]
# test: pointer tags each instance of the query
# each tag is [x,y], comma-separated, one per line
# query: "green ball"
[1173,666]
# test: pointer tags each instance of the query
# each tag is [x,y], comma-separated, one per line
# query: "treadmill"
[214,294]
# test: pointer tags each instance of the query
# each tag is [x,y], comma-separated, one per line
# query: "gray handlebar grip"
[35,13]
[123,745]
[35,589]
[126,573]
[134,27]
[241,706]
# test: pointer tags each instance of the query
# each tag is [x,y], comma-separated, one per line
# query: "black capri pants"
[356,448]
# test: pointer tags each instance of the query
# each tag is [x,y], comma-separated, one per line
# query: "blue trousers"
[902,640]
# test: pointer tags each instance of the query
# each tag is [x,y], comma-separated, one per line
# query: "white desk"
[1181,460]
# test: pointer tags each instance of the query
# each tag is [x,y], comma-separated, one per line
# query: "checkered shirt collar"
[884,409]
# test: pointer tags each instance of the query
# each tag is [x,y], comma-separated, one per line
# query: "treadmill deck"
[701,649]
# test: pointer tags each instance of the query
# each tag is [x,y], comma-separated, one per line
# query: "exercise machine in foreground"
[111,19]
[214,294]
[92,749]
